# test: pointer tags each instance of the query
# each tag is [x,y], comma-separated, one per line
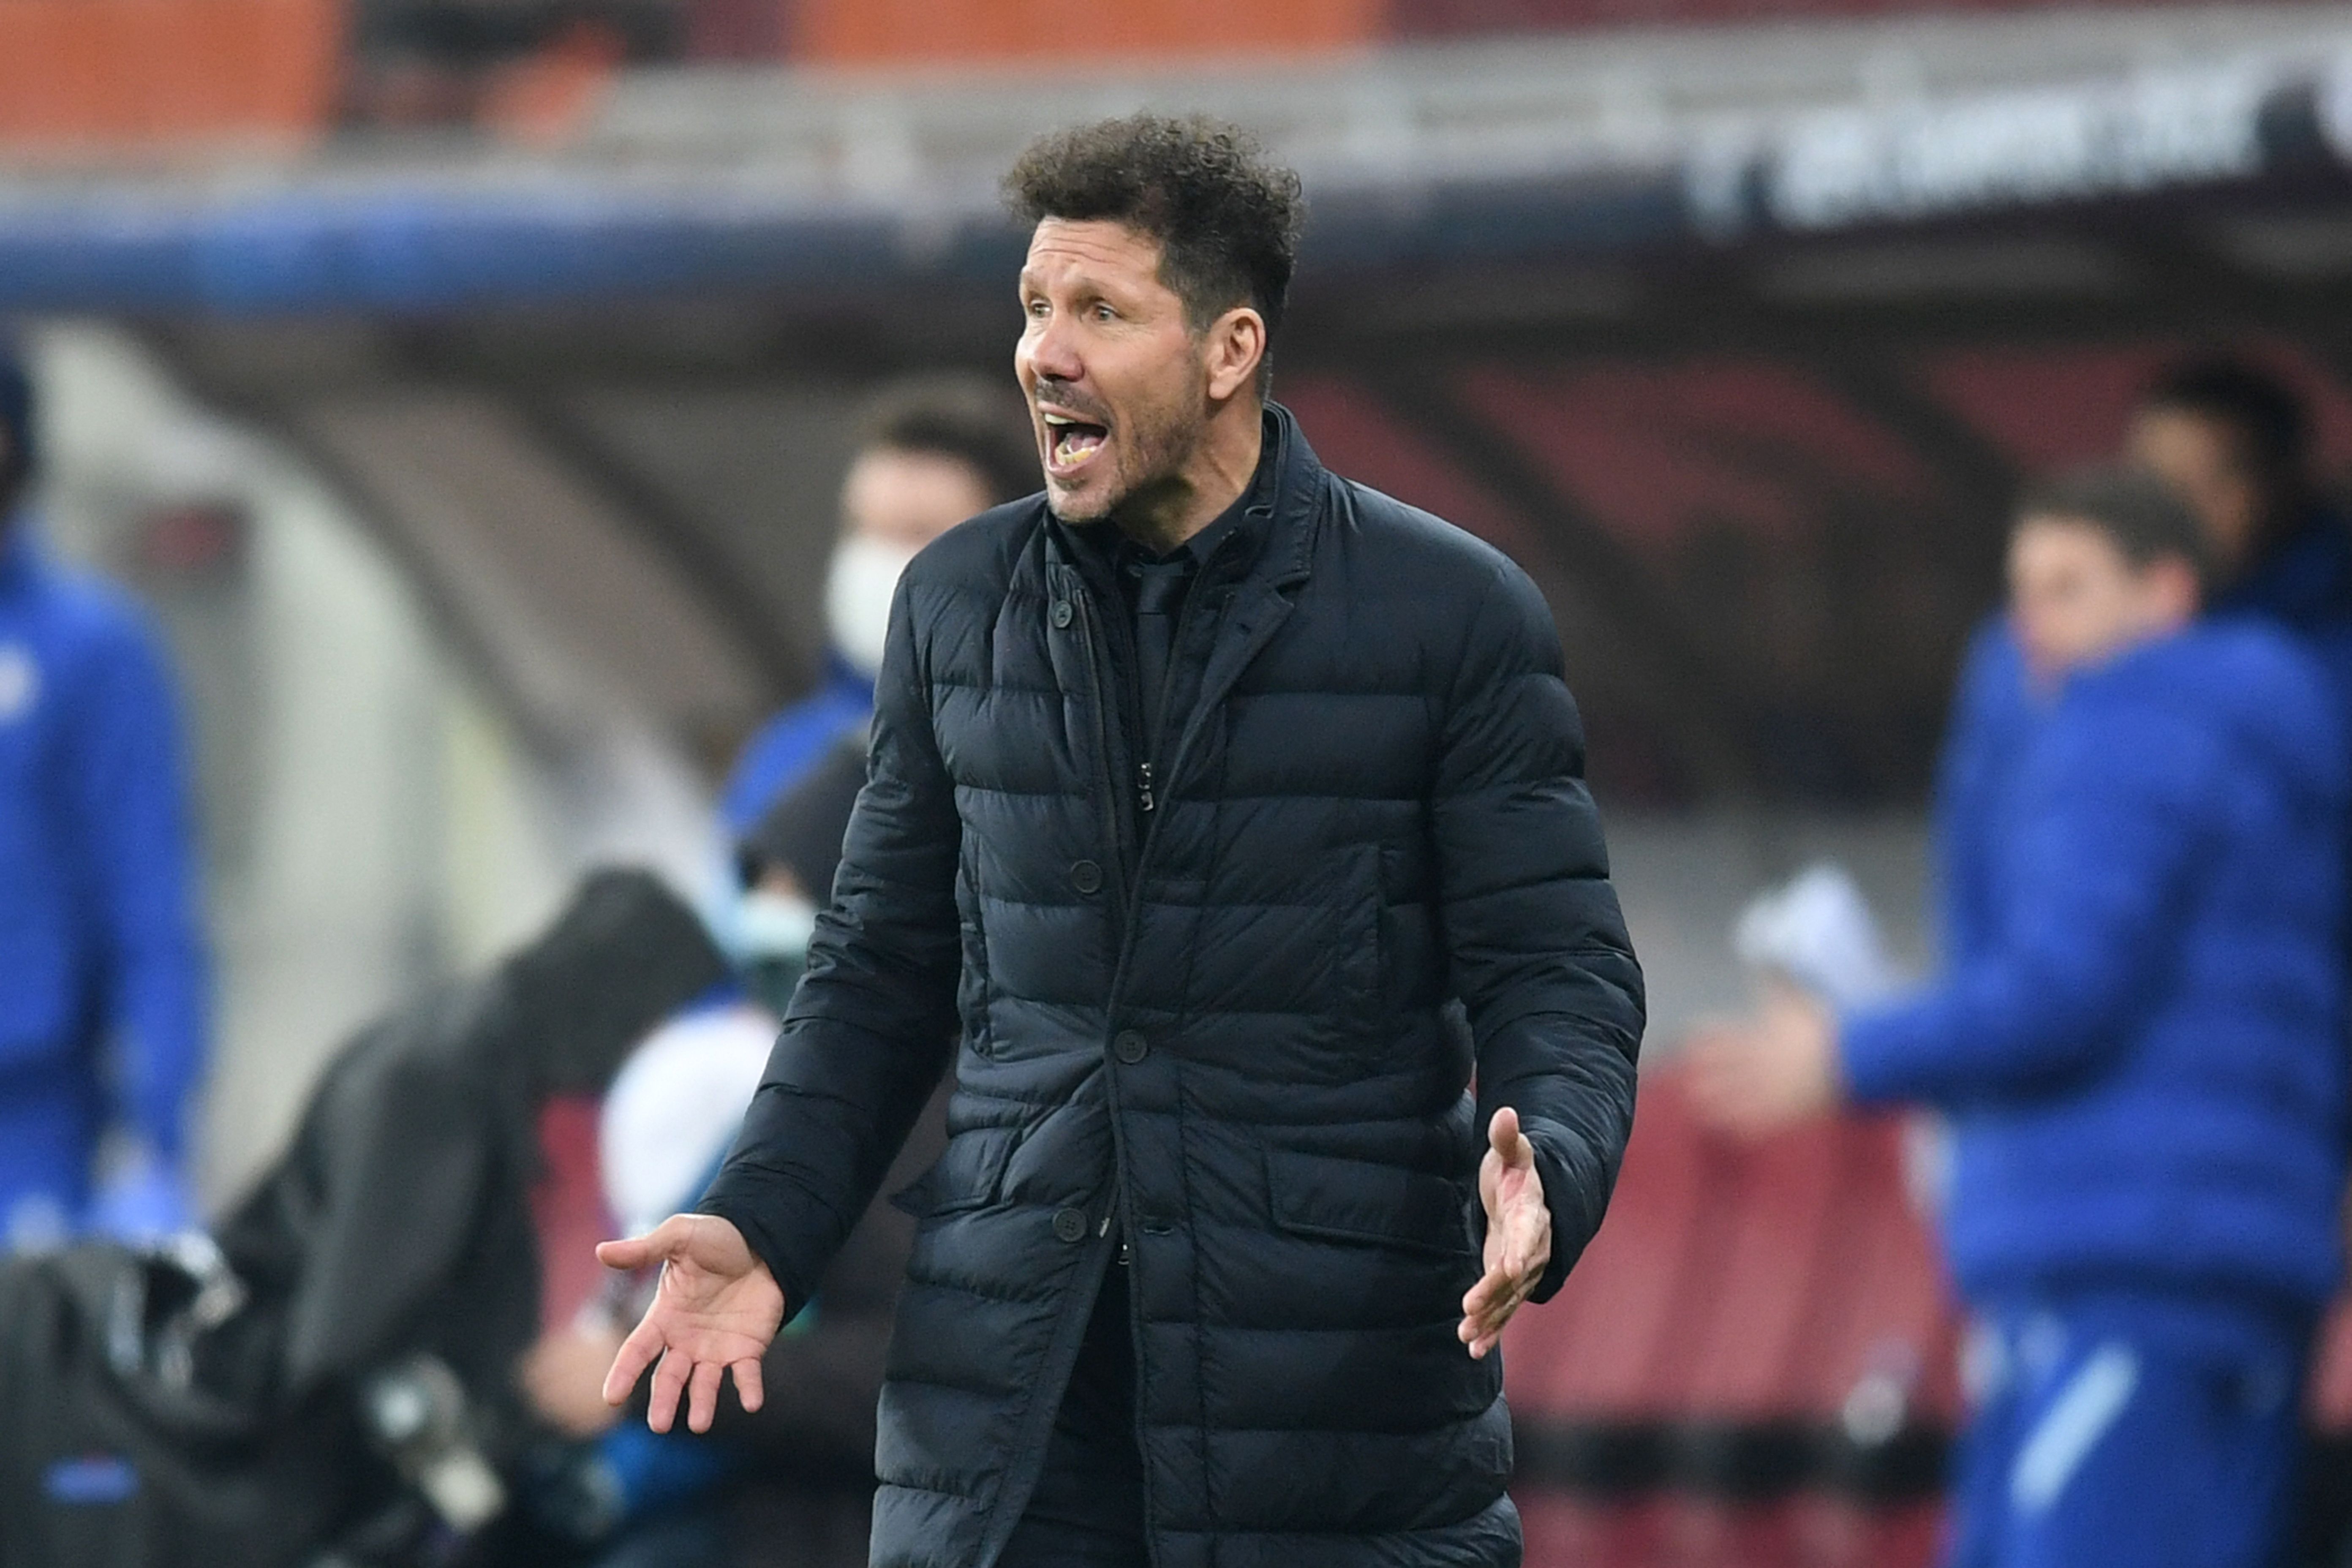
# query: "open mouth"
[1073,443]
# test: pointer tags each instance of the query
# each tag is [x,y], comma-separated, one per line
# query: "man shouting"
[1225,819]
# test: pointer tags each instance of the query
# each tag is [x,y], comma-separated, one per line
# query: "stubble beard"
[1151,460]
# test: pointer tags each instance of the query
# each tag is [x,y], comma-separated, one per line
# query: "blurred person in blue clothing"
[102,965]
[790,1484]
[2140,1057]
[2234,442]
[930,454]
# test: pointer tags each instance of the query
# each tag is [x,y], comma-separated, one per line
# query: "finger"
[1506,1269]
[1486,1327]
[702,1395]
[749,1388]
[636,1353]
[1503,1134]
[630,1254]
[669,1382]
[1482,1291]
[1486,1320]
[1480,1336]
[636,1252]
[1480,1299]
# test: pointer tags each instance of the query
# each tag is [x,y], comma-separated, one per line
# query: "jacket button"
[1070,1224]
[1086,876]
[1129,1047]
[1063,615]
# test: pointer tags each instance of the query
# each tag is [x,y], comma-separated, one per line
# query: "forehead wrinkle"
[1113,250]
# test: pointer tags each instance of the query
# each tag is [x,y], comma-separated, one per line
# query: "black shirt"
[1153,686]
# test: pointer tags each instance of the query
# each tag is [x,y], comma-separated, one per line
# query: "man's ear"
[1235,348]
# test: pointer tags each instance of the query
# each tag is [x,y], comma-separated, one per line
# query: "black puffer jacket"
[1372,867]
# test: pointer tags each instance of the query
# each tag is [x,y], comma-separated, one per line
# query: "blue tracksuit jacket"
[2139,1042]
[101,970]
[2302,587]
[788,744]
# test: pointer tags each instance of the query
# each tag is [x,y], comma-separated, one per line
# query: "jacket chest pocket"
[1356,1201]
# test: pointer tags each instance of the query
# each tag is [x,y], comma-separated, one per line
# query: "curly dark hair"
[1226,218]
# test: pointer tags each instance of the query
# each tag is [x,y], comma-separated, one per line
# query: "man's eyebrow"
[1083,286]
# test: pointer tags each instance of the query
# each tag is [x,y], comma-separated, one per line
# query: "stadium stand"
[1752,1366]
[75,72]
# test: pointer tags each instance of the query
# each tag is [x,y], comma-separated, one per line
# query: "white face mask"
[774,925]
[858,590]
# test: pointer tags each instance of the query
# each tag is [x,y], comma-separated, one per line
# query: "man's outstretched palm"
[717,1307]
[1519,1233]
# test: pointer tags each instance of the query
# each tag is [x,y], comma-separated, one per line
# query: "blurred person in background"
[101,964]
[786,864]
[2141,1060]
[793,1485]
[2234,441]
[930,454]
[1232,816]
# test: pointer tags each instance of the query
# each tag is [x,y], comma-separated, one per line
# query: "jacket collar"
[1285,497]
[1298,499]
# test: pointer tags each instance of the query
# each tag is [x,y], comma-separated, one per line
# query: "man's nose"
[1052,352]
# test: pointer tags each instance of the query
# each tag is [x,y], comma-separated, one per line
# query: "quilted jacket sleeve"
[2118,814]
[869,1031]
[1538,947]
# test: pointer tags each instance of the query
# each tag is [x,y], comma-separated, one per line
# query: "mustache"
[1063,395]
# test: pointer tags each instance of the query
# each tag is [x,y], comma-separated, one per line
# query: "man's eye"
[1104,313]
[1036,307]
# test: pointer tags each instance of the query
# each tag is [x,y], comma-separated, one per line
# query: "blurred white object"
[673,1108]
[1817,932]
[858,588]
[768,926]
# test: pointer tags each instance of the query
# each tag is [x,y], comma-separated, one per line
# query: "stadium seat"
[1605,1349]
[1752,1366]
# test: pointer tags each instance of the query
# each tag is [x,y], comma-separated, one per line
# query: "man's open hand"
[717,1307]
[1519,1233]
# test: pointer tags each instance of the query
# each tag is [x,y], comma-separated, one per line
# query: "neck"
[1224,462]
